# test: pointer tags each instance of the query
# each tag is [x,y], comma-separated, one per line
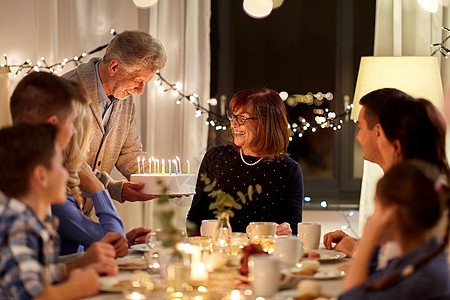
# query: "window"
[303,46]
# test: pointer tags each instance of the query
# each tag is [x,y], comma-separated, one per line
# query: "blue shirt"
[28,251]
[77,231]
[430,281]
[103,99]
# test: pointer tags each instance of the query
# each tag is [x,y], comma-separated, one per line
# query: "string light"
[323,118]
[441,47]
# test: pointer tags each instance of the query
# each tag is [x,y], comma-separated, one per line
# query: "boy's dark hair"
[41,95]
[22,148]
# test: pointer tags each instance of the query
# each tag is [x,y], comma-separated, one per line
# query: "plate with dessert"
[114,283]
[140,247]
[306,290]
[312,269]
[323,255]
[131,263]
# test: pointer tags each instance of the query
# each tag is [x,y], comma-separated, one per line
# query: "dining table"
[331,286]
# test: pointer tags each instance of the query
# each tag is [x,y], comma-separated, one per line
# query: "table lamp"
[418,76]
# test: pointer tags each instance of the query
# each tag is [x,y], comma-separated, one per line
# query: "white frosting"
[180,184]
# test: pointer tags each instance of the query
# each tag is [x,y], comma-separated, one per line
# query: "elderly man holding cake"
[258,155]
[130,61]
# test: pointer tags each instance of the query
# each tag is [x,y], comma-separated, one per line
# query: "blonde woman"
[78,231]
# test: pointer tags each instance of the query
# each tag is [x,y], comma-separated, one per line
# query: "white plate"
[131,263]
[140,247]
[326,255]
[107,282]
[324,273]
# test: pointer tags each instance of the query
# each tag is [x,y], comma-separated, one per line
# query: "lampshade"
[418,76]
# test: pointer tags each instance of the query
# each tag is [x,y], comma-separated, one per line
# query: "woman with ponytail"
[409,201]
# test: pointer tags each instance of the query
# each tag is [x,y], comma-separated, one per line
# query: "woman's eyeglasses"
[240,119]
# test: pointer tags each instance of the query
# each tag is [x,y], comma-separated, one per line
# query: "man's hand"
[137,235]
[344,242]
[101,257]
[130,192]
[118,241]
[284,229]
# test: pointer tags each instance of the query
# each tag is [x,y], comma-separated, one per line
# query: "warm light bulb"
[429,5]
[258,9]
[144,3]
[284,95]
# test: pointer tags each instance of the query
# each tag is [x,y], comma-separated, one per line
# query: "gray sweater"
[120,144]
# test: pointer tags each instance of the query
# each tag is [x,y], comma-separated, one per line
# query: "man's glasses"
[240,119]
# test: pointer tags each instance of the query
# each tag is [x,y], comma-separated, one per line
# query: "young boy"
[32,177]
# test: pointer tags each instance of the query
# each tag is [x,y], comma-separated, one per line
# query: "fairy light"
[442,49]
[218,121]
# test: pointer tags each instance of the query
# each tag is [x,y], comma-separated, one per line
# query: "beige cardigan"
[120,145]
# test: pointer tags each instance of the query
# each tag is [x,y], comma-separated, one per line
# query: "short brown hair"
[373,102]
[22,148]
[41,95]
[269,110]
[136,50]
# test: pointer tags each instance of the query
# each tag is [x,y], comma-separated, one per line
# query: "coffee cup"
[208,228]
[309,233]
[261,229]
[289,249]
[264,274]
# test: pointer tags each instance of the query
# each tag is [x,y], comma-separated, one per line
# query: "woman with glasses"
[257,155]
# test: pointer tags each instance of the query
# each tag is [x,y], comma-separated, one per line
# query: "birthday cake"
[176,184]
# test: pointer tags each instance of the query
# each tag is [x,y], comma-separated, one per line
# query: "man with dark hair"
[369,130]
[369,121]
[33,176]
[42,97]
[130,61]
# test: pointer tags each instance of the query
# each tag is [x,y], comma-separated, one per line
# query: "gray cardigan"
[120,145]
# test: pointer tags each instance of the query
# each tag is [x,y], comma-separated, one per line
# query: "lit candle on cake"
[157,166]
[143,165]
[163,170]
[179,163]
[154,164]
[149,166]
[175,166]
[139,160]
[170,167]
[189,167]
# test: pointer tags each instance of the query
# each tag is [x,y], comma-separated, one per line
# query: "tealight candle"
[189,167]
[179,162]
[138,161]
[163,170]
[143,164]
[175,166]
